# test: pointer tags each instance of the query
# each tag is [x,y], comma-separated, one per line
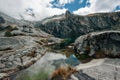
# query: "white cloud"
[41,8]
[117,10]
[63,2]
[81,1]
[98,6]
[82,11]
[44,8]
[9,7]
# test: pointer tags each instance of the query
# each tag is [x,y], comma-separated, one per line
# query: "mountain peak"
[67,13]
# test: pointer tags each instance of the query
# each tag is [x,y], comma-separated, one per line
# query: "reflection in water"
[43,68]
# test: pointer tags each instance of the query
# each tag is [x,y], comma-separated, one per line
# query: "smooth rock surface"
[108,70]
[18,51]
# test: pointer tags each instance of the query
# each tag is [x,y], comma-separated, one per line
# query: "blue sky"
[75,5]
[117,8]
[46,8]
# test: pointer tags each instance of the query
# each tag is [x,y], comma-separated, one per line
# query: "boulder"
[99,44]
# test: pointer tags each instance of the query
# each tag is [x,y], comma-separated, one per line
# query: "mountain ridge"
[73,26]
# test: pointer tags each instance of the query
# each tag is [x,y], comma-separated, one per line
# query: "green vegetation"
[24,77]
[82,56]
[8,33]
[64,43]
[42,75]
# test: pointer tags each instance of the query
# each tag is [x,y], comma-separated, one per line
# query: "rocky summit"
[38,50]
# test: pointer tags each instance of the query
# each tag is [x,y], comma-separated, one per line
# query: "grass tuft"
[62,73]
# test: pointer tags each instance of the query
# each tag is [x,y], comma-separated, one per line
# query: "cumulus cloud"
[25,8]
[81,1]
[63,2]
[11,7]
[97,6]
[40,9]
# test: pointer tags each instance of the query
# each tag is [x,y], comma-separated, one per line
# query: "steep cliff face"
[99,44]
[72,26]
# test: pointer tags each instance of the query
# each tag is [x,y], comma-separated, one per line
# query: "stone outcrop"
[99,44]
